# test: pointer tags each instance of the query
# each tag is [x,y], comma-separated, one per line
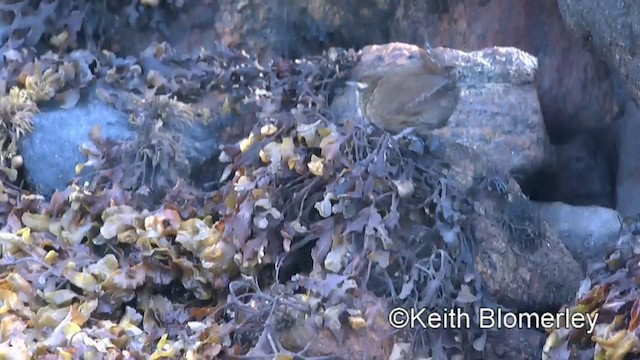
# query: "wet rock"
[575,87]
[610,28]
[200,141]
[588,232]
[498,114]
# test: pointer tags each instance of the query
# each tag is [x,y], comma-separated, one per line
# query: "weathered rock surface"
[588,232]
[52,150]
[611,28]
[523,265]
[498,114]
[628,176]
[575,88]
[275,28]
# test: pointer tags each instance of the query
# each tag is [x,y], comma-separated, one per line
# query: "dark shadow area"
[584,172]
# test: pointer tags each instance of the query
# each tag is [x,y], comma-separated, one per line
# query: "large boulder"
[498,113]
[610,28]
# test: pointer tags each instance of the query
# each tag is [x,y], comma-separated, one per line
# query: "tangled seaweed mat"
[88,273]
[94,273]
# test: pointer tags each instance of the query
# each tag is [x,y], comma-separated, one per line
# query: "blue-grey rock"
[200,142]
[628,176]
[610,28]
[52,150]
[589,232]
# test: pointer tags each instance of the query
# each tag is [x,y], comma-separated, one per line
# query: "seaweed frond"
[173,113]
[43,84]
[16,120]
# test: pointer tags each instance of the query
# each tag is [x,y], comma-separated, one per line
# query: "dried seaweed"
[609,292]
[523,224]
[315,230]
[16,120]
[348,191]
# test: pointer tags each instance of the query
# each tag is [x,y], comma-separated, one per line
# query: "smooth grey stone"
[52,150]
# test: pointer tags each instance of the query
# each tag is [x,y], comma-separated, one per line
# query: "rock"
[52,150]
[200,141]
[498,113]
[523,265]
[588,232]
[610,28]
[273,28]
[628,176]
[575,87]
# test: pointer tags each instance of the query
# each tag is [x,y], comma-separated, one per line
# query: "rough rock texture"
[52,150]
[574,86]
[589,232]
[522,264]
[498,113]
[284,28]
[611,28]
[628,176]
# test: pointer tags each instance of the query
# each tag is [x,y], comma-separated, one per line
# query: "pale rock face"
[496,110]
